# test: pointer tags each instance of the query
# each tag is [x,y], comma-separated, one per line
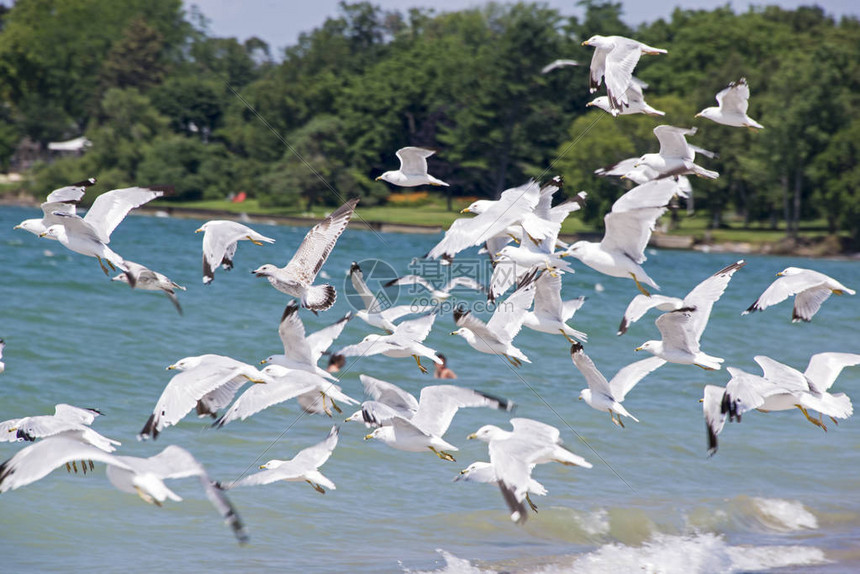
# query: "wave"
[663,554]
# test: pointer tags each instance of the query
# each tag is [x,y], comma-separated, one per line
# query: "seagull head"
[271,465]
[788,271]
[264,270]
[487,433]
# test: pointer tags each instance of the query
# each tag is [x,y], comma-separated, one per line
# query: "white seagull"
[200,376]
[676,156]
[220,239]
[732,105]
[628,228]
[406,341]
[614,59]
[810,289]
[496,336]
[388,400]
[148,280]
[515,453]
[413,169]
[303,351]
[441,294]
[682,328]
[297,277]
[437,406]
[302,467]
[142,476]
[641,304]
[376,312]
[557,65]
[607,396]
[485,472]
[90,235]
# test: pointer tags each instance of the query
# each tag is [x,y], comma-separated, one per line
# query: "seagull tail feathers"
[319,297]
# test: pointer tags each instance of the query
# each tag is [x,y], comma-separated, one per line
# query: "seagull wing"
[784,287]
[706,293]
[438,404]
[292,333]
[628,232]
[593,377]
[38,460]
[598,68]
[463,281]
[389,394]
[315,456]
[735,98]
[507,319]
[715,418]
[75,414]
[259,397]
[410,280]
[556,64]
[547,297]
[356,277]
[655,193]
[678,329]
[672,141]
[626,378]
[786,378]
[808,302]
[319,341]
[824,368]
[413,160]
[318,243]
[620,63]
[70,193]
[110,208]
[416,329]
[745,392]
[641,304]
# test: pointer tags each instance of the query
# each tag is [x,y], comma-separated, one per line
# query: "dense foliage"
[164,102]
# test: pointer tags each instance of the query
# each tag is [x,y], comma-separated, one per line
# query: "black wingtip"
[149,430]
[622,328]
[503,404]
[459,313]
[390,283]
[90,181]
[575,347]
[712,441]
[289,310]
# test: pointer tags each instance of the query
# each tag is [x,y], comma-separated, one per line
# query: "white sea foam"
[785,515]
[453,565]
[594,523]
[694,554]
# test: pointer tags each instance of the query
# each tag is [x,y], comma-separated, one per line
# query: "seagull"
[149,280]
[406,341]
[557,65]
[90,235]
[515,453]
[515,205]
[551,314]
[809,287]
[199,376]
[676,155]
[641,304]
[608,396]
[628,225]
[297,277]
[635,102]
[496,336]
[732,105]
[413,169]
[142,476]
[302,467]
[444,292]
[614,58]
[682,328]
[300,351]
[376,313]
[309,389]
[67,420]
[220,239]
[63,199]
[437,405]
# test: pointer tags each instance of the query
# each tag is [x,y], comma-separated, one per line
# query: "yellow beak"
[378,178]
[465,210]
[585,43]
[368,436]
[471,436]
[638,349]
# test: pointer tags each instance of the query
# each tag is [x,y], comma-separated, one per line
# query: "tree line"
[163,101]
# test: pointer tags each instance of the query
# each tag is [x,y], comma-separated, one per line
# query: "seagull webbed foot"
[443,455]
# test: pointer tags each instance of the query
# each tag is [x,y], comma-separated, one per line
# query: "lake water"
[779,493]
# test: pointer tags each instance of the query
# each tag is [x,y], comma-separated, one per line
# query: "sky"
[279,22]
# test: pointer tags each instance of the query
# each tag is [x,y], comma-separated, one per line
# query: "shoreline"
[813,248]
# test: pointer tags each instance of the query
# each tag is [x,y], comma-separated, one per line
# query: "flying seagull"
[731,108]
[297,277]
[810,289]
[413,169]
[148,280]
[614,59]
[220,239]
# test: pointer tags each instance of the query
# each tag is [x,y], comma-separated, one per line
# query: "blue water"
[779,492]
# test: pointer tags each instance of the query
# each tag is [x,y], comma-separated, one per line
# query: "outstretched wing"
[318,243]
[438,404]
[824,368]
[110,208]
[413,160]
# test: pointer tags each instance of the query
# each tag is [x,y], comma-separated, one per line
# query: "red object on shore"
[240,197]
